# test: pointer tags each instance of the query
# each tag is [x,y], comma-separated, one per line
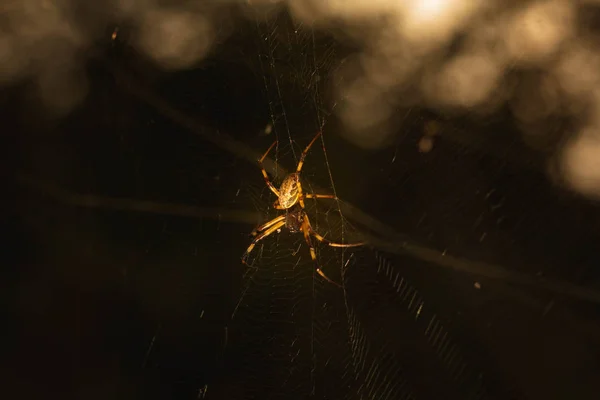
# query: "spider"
[290,198]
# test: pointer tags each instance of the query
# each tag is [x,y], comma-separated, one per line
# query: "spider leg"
[327,242]
[319,196]
[260,237]
[305,152]
[267,224]
[300,196]
[313,254]
[264,172]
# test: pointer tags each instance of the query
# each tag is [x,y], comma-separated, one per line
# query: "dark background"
[126,299]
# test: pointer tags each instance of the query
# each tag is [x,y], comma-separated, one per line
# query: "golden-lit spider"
[290,198]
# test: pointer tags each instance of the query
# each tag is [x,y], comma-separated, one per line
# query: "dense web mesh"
[297,335]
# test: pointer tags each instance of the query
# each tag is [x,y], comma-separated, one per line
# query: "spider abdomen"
[289,191]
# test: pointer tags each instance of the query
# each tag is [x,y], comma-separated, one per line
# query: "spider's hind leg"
[319,196]
[328,242]
[261,236]
[267,224]
[306,230]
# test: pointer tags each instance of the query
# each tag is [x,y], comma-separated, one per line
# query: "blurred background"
[462,142]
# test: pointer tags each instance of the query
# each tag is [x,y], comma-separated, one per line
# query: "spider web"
[282,301]
[294,335]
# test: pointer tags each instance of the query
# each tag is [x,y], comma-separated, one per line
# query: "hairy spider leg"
[300,195]
[319,196]
[299,168]
[264,172]
[313,254]
[260,237]
[305,152]
[328,242]
[267,224]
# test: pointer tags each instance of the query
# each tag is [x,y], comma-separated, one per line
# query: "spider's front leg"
[264,172]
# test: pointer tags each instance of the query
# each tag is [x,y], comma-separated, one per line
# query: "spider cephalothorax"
[291,199]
